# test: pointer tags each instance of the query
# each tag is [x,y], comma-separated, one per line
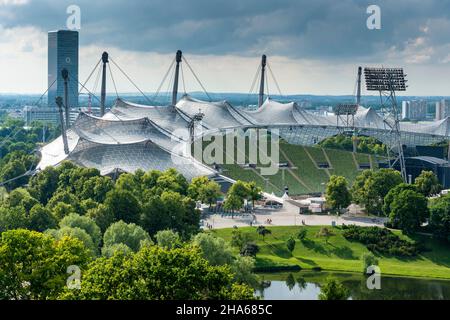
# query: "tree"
[168,239]
[170,210]
[74,220]
[290,244]
[13,218]
[131,235]
[333,290]
[76,233]
[204,190]
[263,231]
[63,197]
[219,253]
[408,211]
[34,266]
[21,197]
[325,233]
[233,203]
[215,250]
[124,205]
[187,276]
[254,192]
[117,248]
[439,221]
[389,198]
[337,194]
[11,170]
[44,184]
[239,239]
[249,249]
[370,188]
[427,183]
[96,188]
[102,215]
[41,219]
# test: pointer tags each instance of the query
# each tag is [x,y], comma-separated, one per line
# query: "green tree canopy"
[187,276]
[74,220]
[440,218]
[130,234]
[333,290]
[337,194]
[168,239]
[370,188]
[427,183]
[408,211]
[34,266]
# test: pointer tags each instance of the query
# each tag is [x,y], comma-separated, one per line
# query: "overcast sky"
[313,47]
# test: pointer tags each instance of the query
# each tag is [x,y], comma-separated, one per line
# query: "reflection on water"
[306,286]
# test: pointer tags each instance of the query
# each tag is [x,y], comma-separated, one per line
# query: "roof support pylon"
[59,102]
[105,60]
[177,74]
[65,76]
[261,85]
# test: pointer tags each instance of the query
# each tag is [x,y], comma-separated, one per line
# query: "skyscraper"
[63,53]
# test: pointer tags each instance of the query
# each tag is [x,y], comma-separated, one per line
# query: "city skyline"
[313,48]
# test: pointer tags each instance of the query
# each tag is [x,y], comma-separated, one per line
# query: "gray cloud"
[320,29]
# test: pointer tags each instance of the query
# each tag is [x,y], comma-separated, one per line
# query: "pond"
[305,285]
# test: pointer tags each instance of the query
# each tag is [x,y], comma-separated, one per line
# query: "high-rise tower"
[63,54]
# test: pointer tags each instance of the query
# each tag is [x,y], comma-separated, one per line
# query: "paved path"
[283,217]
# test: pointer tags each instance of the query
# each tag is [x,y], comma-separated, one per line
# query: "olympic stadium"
[132,136]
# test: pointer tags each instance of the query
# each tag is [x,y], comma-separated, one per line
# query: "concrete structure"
[414,110]
[442,109]
[62,54]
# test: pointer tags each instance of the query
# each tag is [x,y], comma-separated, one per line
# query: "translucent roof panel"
[122,131]
[216,114]
[131,157]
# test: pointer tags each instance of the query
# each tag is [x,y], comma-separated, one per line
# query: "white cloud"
[13,2]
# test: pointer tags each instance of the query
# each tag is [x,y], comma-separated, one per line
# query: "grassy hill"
[339,254]
[305,174]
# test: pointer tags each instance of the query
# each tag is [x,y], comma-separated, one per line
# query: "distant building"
[62,53]
[44,115]
[414,110]
[442,109]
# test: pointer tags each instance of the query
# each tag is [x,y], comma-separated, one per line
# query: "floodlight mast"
[345,117]
[198,117]
[358,92]
[387,81]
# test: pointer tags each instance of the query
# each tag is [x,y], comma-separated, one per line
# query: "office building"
[414,110]
[62,53]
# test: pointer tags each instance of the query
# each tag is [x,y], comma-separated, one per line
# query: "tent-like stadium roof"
[132,136]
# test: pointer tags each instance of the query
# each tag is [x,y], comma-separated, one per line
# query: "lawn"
[341,255]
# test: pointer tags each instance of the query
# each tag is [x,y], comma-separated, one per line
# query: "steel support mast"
[261,85]
[178,58]
[105,60]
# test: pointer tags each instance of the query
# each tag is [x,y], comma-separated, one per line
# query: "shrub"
[301,235]
[249,249]
[381,240]
[368,260]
